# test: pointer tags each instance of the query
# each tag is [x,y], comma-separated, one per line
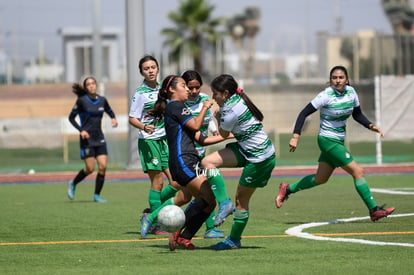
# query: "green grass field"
[43,233]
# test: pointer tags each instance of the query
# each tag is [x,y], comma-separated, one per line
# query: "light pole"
[235,26]
[252,28]
[243,26]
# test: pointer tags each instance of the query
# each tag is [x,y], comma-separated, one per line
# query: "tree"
[193,28]
[401,16]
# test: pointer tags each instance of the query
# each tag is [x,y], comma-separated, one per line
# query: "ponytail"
[163,95]
[227,82]
[80,90]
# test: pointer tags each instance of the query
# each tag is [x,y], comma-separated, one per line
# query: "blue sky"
[23,23]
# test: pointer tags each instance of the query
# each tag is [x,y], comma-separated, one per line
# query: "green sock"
[302,184]
[239,223]
[363,190]
[168,192]
[154,214]
[210,221]
[154,199]
[216,181]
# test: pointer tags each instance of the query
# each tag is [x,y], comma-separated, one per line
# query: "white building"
[78,53]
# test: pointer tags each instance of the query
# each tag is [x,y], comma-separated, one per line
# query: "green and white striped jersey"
[335,108]
[248,131]
[143,101]
[208,123]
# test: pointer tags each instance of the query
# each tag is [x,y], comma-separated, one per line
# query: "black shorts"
[183,169]
[93,151]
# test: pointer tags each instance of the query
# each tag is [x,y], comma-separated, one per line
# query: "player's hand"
[374,128]
[207,104]
[148,128]
[293,143]
[84,134]
[114,123]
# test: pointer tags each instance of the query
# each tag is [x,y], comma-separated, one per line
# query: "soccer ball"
[171,218]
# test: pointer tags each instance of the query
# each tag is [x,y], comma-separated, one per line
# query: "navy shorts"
[183,169]
[93,151]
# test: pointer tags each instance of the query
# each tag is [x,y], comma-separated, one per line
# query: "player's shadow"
[82,201]
[166,247]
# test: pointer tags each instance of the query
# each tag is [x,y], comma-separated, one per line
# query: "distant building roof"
[84,31]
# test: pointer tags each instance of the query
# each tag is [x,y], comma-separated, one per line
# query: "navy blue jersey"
[90,113]
[183,155]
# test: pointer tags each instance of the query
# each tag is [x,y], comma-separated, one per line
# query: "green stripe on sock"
[241,217]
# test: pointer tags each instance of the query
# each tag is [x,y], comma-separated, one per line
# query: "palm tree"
[193,28]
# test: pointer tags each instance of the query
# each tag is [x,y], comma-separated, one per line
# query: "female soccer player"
[152,144]
[195,103]
[336,104]
[182,129]
[90,107]
[253,150]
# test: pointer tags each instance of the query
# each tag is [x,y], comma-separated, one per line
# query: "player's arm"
[111,113]
[363,120]
[208,140]
[297,130]
[195,123]
[221,131]
[75,112]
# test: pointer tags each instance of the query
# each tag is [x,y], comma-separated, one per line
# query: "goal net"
[394,108]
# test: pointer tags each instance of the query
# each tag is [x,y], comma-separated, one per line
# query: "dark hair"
[192,75]
[146,58]
[227,82]
[81,90]
[163,95]
[341,68]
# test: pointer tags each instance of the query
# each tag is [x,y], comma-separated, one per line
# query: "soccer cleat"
[282,195]
[172,240]
[156,230]
[185,243]
[213,234]
[145,225]
[228,243]
[380,212]
[97,198]
[71,190]
[225,208]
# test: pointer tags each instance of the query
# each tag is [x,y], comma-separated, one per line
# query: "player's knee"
[102,170]
[206,163]
[359,173]
[89,170]
[319,180]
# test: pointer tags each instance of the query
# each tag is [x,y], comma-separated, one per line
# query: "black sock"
[79,177]
[99,182]
[195,217]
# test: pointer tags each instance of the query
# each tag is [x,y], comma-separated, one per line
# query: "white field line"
[297,231]
[391,191]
